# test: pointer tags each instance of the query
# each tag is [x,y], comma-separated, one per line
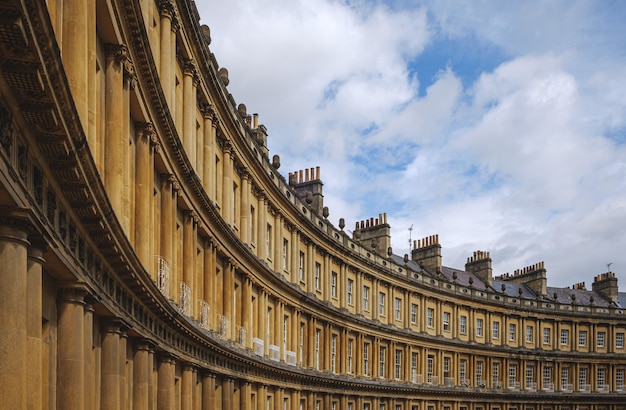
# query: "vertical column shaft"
[144,175]
[70,349]
[110,366]
[115,142]
[141,375]
[165,392]
[75,53]
[33,326]
[14,315]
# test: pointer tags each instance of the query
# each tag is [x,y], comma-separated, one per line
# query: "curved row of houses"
[153,257]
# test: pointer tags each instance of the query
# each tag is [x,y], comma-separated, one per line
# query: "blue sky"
[498,125]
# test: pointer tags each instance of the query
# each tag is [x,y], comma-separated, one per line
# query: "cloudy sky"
[500,126]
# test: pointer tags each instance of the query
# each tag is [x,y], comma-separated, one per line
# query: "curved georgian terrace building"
[152,257]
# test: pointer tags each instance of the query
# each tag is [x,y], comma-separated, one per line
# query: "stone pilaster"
[186,396]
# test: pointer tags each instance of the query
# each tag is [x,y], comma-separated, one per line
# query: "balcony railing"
[163,275]
[223,331]
[549,387]
[185,299]
[449,381]
[274,353]
[417,378]
[434,380]
[205,311]
[514,385]
[531,386]
[603,389]
[567,388]
[258,346]
[290,357]
[586,388]
[241,332]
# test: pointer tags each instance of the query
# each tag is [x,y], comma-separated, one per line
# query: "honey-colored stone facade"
[153,257]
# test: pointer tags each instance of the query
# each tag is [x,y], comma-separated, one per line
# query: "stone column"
[278,244]
[208,140]
[208,392]
[227,184]
[146,138]
[211,165]
[33,324]
[115,143]
[245,403]
[74,50]
[167,224]
[262,229]
[122,368]
[166,72]
[141,374]
[295,256]
[110,365]
[70,349]
[228,390]
[189,252]
[165,392]
[14,314]
[208,277]
[244,225]
[186,396]
[262,397]
[90,396]
[246,307]
[189,113]
[228,294]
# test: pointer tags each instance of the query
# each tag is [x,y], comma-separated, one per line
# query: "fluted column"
[74,51]
[295,256]
[165,392]
[14,314]
[115,141]
[189,112]
[141,375]
[210,149]
[110,366]
[70,349]
[146,138]
[33,324]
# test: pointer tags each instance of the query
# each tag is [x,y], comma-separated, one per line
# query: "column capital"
[208,111]
[73,293]
[167,8]
[129,73]
[144,344]
[117,52]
